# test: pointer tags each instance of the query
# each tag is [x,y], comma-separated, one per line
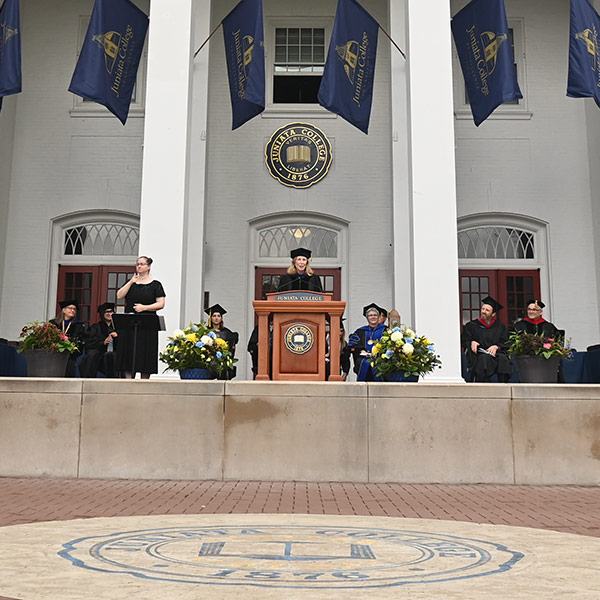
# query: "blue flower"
[199,344]
[389,353]
[212,334]
[431,348]
[219,354]
[194,328]
[408,340]
[396,329]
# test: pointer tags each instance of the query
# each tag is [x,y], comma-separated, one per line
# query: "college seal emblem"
[299,339]
[298,155]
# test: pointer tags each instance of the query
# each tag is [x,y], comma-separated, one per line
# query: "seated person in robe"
[215,322]
[101,342]
[362,340]
[485,341]
[68,324]
[535,323]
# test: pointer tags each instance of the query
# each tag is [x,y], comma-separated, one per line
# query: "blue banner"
[347,84]
[107,67]
[482,40]
[244,48]
[584,52]
[10,49]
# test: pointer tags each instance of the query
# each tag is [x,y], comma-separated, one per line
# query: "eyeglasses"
[108,312]
[141,264]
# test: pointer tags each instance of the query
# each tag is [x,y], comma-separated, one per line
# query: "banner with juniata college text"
[243,34]
[481,35]
[347,85]
[107,67]
[584,52]
[10,49]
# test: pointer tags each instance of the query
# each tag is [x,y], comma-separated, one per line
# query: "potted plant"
[197,353]
[46,349]
[401,355]
[537,356]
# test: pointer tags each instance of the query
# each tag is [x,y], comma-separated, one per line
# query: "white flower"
[410,333]
[396,336]
[178,333]
[408,349]
[206,339]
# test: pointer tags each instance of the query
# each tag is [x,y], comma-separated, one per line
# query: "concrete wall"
[436,433]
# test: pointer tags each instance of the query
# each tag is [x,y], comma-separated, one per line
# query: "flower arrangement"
[400,349]
[531,344]
[44,336]
[197,347]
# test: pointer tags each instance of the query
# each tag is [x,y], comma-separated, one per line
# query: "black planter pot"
[537,369]
[46,364]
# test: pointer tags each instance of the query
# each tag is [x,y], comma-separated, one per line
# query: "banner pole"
[393,42]
[208,38]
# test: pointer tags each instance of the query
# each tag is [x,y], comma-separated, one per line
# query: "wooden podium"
[299,321]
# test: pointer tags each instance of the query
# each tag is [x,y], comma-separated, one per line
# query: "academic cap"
[106,306]
[215,308]
[68,302]
[300,252]
[367,308]
[538,303]
[493,303]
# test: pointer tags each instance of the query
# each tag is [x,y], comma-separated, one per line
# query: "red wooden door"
[512,288]
[90,286]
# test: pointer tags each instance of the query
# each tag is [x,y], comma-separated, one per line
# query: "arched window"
[278,241]
[101,239]
[492,241]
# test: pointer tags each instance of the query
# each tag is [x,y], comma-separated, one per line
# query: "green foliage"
[45,336]
[531,344]
[400,350]
[197,347]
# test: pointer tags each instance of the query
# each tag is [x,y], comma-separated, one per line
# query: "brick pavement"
[570,509]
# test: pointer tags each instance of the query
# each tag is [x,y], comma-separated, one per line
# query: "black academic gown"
[97,355]
[75,331]
[482,366]
[231,337]
[537,327]
[309,283]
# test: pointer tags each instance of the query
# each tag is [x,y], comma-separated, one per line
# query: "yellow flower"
[221,343]
[192,337]
[375,349]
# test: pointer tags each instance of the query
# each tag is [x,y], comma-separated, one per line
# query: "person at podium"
[142,294]
[361,343]
[215,322]
[300,275]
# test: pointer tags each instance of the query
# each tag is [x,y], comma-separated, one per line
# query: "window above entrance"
[496,242]
[101,239]
[277,241]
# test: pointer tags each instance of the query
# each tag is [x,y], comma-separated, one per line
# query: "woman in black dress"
[142,294]
[299,275]
[215,322]
[67,322]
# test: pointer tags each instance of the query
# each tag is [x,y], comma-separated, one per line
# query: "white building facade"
[420,215]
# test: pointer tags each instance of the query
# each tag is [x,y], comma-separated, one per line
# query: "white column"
[166,149]
[432,180]
[194,250]
[402,291]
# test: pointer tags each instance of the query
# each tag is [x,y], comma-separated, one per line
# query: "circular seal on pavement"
[298,155]
[291,556]
[299,339]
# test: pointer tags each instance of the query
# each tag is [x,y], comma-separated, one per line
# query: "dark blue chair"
[12,363]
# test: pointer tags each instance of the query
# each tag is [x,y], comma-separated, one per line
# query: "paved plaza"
[62,539]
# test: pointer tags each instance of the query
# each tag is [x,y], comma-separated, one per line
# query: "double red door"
[91,286]
[512,288]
